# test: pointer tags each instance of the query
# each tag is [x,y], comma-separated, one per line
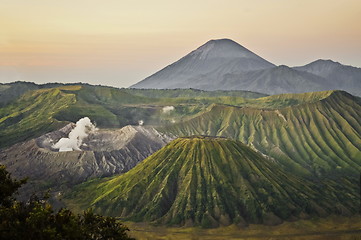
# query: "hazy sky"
[120,42]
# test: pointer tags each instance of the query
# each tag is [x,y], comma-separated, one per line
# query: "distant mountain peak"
[324,62]
[222,48]
[223,64]
[207,64]
[283,67]
[223,42]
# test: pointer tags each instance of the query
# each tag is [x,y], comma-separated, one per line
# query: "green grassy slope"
[317,137]
[41,110]
[11,91]
[269,102]
[112,107]
[286,100]
[104,105]
[207,181]
[33,114]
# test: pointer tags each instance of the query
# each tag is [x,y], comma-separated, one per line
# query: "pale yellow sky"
[120,42]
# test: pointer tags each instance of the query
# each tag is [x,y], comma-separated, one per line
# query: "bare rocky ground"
[104,152]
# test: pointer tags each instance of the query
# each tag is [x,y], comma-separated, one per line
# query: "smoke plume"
[167,109]
[75,139]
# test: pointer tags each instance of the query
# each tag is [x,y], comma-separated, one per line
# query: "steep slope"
[33,114]
[319,136]
[205,65]
[11,91]
[338,76]
[209,182]
[103,153]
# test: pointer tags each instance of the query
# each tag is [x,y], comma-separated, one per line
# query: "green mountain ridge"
[29,110]
[38,111]
[33,114]
[11,91]
[189,93]
[210,181]
[315,138]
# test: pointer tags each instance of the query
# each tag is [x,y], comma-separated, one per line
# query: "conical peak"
[222,48]
[205,67]
[223,41]
[204,174]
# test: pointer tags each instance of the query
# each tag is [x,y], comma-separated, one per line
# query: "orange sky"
[120,42]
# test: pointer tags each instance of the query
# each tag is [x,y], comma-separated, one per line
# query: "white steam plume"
[75,139]
[167,109]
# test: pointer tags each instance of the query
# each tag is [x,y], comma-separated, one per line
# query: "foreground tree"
[8,187]
[37,220]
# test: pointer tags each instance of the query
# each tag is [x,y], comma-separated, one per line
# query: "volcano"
[103,153]
[206,65]
[207,181]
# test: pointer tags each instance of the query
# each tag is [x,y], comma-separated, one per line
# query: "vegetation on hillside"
[45,109]
[312,144]
[317,138]
[32,115]
[191,93]
[207,181]
[36,219]
[11,91]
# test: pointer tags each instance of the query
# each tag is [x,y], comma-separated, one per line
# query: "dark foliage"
[8,187]
[37,220]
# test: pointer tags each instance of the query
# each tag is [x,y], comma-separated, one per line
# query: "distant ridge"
[223,64]
[338,76]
